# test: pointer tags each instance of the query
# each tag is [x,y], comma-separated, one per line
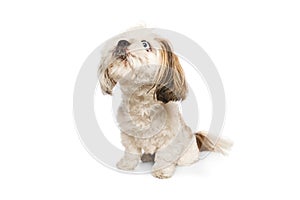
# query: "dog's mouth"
[123,57]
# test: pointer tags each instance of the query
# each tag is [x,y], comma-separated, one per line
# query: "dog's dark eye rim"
[146,45]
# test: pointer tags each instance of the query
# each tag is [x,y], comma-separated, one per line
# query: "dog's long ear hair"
[169,84]
[106,82]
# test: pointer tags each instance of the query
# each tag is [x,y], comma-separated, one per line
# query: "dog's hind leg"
[191,155]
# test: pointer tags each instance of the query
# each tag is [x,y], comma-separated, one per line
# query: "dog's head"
[143,59]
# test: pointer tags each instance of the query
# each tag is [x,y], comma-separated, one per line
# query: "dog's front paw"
[163,173]
[127,164]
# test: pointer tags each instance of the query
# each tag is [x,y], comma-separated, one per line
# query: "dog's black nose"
[123,43]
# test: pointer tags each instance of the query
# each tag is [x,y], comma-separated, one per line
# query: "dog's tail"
[206,144]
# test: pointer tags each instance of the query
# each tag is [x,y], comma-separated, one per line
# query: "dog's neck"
[131,89]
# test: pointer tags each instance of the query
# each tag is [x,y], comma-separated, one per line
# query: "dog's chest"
[151,123]
[142,117]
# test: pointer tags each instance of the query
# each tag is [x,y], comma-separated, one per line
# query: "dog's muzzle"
[120,50]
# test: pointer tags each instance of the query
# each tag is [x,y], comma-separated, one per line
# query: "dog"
[152,82]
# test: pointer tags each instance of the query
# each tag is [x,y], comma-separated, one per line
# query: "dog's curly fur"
[151,80]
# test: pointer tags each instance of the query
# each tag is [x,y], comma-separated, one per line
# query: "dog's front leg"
[167,157]
[163,169]
[132,153]
[165,162]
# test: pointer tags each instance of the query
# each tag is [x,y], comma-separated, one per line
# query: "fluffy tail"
[206,144]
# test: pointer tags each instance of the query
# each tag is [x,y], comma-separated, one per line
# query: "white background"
[255,46]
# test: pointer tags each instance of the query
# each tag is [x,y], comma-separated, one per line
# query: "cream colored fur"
[146,124]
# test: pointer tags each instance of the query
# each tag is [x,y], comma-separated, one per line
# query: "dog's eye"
[146,45]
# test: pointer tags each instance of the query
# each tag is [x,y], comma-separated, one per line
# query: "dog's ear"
[170,84]
[106,82]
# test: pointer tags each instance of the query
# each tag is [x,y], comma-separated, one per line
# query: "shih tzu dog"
[151,80]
